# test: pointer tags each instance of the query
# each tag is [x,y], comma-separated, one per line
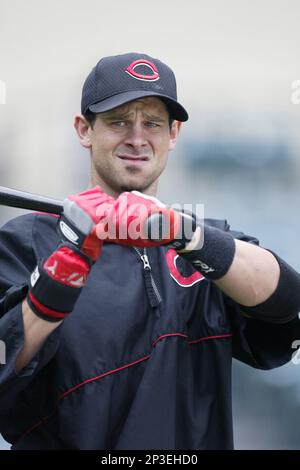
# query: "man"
[124,342]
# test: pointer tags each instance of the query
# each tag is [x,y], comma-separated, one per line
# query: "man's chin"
[133,187]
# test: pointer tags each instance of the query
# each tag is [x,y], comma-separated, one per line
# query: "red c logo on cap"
[131,70]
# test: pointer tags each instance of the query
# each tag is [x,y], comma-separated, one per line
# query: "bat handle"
[14,198]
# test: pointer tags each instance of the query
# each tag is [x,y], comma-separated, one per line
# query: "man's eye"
[152,124]
[119,123]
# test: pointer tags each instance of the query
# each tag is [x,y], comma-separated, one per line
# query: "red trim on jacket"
[97,377]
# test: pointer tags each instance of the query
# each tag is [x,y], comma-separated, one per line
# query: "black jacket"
[143,362]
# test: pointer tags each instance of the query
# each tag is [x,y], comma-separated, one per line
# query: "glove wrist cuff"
[44,312]
[56,283]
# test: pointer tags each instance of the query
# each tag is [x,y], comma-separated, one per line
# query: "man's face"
[129,146]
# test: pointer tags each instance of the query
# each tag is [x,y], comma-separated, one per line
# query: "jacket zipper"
[151,287]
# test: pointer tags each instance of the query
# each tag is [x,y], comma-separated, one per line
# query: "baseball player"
[126,341]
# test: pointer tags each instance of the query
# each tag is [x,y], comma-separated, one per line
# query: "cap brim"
[177,111]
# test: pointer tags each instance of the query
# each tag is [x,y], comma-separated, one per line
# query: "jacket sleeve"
[17,261]
[260,339]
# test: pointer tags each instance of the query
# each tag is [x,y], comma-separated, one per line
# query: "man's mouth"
[133,159]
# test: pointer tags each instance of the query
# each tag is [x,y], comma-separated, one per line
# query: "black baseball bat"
[23,200]
[156,227]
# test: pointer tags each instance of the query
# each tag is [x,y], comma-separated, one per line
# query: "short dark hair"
[91,118]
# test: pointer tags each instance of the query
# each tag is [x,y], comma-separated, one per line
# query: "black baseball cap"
[119,79]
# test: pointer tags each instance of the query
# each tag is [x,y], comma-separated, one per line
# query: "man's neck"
[150,191]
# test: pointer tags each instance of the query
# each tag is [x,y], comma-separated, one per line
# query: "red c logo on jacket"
[183,281]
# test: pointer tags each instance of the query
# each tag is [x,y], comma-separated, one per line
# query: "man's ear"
[174,132]
[83,129]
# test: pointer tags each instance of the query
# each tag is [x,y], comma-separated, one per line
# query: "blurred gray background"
[239,153]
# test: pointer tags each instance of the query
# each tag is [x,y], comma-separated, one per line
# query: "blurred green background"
[239,154]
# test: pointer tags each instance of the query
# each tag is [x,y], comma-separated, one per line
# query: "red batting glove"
[127,222]
[82,212]
[56,282]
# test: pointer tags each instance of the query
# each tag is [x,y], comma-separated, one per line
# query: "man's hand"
[56,282]
[136,219]
[82,212]
[143,221]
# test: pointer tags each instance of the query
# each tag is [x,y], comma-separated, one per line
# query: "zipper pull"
[151,287]
[146,264]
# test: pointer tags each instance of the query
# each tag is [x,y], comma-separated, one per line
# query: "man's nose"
[136,136]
